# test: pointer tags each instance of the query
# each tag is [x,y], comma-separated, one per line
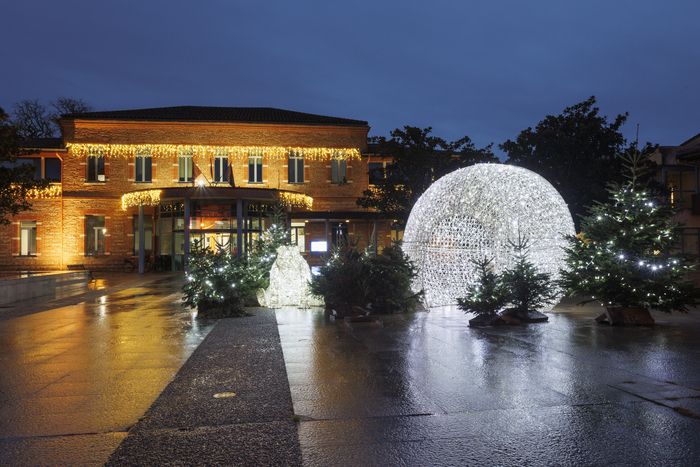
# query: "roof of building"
[695,139]
[218,114]
[43,143]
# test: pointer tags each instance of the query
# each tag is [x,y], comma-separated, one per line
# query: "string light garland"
[54,190]
[237,152]
[476,212]
[141,198]
[295,200]
[152,198]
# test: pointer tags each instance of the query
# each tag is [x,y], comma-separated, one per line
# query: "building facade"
[679,172]
[152,183]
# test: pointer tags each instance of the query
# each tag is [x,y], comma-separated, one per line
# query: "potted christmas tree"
[486,297]
[626,256]
[527,289]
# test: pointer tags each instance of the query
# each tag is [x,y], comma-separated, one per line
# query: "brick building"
[179,174]
[679,172]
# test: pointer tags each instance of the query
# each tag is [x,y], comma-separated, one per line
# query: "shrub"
[378,283]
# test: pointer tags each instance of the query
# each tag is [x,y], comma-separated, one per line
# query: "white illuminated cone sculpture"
[476,212]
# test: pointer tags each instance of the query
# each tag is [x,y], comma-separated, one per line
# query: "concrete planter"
[626,316]
[26,286]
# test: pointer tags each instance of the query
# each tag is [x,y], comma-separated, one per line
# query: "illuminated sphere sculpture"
[478,212]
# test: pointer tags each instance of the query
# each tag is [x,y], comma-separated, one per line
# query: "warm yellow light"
[138,198]
[238,152]
[295,200]
[54,190]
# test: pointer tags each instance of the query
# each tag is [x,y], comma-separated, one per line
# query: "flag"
[230,176]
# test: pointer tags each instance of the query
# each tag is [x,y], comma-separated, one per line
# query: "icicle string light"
[54,190]
[477,212]
[295,200]
[152,198]
[237,152]
[138,198]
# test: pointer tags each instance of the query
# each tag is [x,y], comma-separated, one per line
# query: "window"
[339,169]
[27,238]
[376,172]
[296,167]
[255,168]
[144,168]
[184,167]
[340,234]
[96,168]
[95,235]
[221,168]
[298,235]
[52,169]
[148,234]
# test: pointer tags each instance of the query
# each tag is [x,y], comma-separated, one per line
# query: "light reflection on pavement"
[75,378]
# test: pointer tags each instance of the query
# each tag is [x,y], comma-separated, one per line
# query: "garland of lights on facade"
[477,212]
[152,198]
[51,191]
[238,152]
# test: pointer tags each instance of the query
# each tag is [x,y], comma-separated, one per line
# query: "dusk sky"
[482,69]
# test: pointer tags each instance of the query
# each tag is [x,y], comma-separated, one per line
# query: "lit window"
[95,168]
[148,234]
[144,167]
[319,246]
[27,238]
[255,168]
[296,167]
[339,168]
[95,232]
[298,235]
[184,166]
[221,167]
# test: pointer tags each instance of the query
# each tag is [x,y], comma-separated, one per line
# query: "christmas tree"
[487,296]
[626,256]
[527,289]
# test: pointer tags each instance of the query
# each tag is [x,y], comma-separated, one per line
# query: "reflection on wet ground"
[425,389]
[76,377]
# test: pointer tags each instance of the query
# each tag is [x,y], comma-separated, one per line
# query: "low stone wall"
[26,286]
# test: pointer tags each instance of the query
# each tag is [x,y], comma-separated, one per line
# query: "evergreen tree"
[626,255]
[527,289]
[488,295]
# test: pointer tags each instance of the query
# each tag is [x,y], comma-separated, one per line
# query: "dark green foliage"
[487,296]
[527,289]
[418,160]
[626,255]
[218,284]
[16,180]
[378,283]
[577,151]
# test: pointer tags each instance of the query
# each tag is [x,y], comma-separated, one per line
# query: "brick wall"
[61,228]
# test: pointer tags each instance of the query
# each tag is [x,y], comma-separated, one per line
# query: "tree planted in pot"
[487,297]
[626,256]
[527,289]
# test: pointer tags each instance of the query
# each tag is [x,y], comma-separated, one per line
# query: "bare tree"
[32,120]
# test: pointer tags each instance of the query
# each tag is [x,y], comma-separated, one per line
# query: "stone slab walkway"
[229,404]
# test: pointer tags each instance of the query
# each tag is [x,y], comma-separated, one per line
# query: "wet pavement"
[77,376]
[228,405]
[425,389]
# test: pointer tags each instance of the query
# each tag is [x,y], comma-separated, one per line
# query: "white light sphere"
[476,212]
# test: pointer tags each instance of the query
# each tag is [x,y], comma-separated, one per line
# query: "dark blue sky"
[485,69]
